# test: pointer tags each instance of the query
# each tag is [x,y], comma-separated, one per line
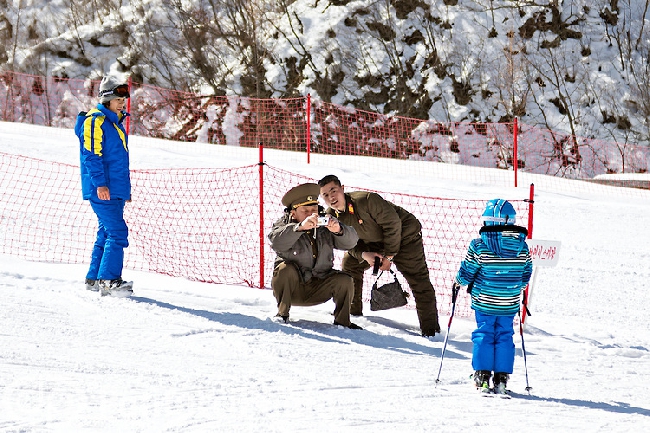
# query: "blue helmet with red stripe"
[499,212]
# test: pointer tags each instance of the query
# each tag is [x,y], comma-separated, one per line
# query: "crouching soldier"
[303,274]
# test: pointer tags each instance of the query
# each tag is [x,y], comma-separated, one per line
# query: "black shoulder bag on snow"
[390,295]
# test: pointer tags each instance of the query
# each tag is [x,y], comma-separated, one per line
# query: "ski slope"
[182,356]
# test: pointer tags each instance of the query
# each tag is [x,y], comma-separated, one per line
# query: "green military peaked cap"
[301,195]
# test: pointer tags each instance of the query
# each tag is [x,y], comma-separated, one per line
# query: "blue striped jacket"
[498,266]
[104,153]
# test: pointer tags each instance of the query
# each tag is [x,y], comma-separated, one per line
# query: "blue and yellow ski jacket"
[498,266]
[104,152]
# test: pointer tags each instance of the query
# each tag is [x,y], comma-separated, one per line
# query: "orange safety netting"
[203,224]
[312,126]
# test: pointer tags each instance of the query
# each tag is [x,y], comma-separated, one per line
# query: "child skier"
[496,268]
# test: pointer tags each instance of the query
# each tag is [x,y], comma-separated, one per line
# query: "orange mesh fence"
[220,120]
[311,128]
[42,215]
[202,224]
[448,226]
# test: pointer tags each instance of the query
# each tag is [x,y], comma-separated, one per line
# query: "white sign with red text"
[544,253]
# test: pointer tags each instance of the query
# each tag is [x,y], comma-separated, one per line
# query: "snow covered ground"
[194,357]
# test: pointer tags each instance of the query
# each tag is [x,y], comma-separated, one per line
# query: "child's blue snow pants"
[494,347]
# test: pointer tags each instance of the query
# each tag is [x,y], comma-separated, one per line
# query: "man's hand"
[385,263]
[333,225]
[309,223]
[369,257]
[103,193]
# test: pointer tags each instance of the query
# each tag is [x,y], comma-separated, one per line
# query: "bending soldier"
[389,232]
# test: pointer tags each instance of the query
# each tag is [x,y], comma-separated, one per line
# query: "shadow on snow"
[308,329]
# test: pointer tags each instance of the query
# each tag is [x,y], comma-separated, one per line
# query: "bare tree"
[213,42]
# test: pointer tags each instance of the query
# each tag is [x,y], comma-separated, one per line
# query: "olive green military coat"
[297,247]
[377,221]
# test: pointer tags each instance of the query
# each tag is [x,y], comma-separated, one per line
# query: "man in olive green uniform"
[389,232]
[303,273]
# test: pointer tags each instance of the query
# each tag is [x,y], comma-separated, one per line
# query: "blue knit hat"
[499,212]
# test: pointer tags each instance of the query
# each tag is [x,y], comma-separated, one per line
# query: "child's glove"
[470,286]
[455,288]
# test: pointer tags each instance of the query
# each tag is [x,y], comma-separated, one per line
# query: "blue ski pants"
[494,347]
[107,257]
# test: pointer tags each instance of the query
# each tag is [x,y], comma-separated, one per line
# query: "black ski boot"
[500,382]
[482,380]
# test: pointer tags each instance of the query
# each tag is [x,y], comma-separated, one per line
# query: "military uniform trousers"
[411,263]
[289,289]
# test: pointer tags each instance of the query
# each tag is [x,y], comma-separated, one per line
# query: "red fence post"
[308,137]
[128,109]
[514,151]
[531,202]
[524,299]
[261,171]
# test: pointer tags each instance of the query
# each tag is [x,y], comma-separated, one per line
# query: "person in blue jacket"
[106,184]
[496,268]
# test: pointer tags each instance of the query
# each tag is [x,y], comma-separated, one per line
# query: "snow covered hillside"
[575,66]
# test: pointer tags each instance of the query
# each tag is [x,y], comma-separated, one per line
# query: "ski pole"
[523,347]
[454,294]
